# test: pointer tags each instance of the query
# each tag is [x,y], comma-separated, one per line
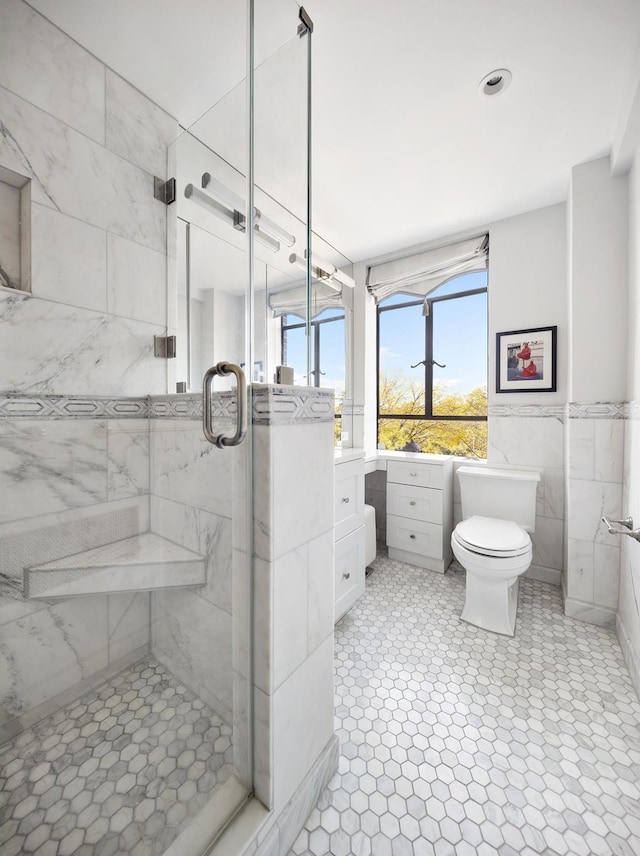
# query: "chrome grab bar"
[223,369]
[628,527]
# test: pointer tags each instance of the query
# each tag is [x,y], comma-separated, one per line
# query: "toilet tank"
[505,494]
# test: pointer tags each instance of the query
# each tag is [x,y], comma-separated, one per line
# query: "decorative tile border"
[632,410]
[182,406]
[272,405]
[597,410]
[72,407]
[555,411]
[571,410]
[291,405]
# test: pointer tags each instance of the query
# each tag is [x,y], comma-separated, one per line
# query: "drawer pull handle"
[346,575]
[413,502]
[345,499]
[412,536]
[413,474]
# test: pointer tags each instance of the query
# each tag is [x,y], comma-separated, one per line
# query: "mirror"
[208,294]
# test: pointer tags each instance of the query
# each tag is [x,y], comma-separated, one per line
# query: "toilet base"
[491,604]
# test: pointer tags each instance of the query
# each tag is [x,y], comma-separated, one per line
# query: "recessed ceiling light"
[495,82]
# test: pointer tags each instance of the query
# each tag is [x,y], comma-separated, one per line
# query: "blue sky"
[460,337]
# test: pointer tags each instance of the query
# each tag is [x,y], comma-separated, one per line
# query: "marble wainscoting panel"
[77,349]
[285,516]
[320,606]
[193,638]
[262,750]
[290,587]
[187,469]
[127,458]
[609,450]
[137,129]
[628,615]
[548,550]
[136,281]
[579,583]
[76,176]
[215,544]
[175,521]
[262,624]
[42,64]
[606,575]
[204,533]
[523,441]
[302,724]
[587,502]
[51,465]
[129,627]
[68,260]
[551,494]
[582,449]
[46,653]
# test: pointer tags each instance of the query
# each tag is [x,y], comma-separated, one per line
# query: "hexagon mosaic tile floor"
[122,770]
[459,742]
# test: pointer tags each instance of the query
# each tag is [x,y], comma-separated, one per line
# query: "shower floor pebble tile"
[460,742]
[122,770]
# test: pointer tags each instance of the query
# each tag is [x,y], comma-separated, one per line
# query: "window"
[327,353]
[432,369]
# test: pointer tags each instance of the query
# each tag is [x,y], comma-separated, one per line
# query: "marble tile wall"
[192,504]
[628,616]
[595,454]
[293,620]
[90,145]
[532,437]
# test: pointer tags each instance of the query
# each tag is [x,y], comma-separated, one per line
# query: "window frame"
[316,323]
[428,415]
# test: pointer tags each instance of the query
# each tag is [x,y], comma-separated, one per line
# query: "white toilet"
[491,542]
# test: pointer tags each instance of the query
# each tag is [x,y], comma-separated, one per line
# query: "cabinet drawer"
[349,571]
[418,474]
[415,536]
[417,503]
[349,498]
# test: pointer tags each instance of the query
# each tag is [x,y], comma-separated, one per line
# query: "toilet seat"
[489,536]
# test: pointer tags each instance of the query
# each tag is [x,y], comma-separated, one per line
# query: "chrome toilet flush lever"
[628,527]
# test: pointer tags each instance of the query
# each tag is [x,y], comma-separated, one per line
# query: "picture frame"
[526,360]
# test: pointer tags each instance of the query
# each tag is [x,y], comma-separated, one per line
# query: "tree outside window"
[432,370]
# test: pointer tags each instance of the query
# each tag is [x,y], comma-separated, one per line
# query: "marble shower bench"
[144,562]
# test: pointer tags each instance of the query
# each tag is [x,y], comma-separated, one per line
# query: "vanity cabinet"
[419,511]
[349,535]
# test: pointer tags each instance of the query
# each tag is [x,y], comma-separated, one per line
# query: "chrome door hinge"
[164,346]
[306,24]
[164,191]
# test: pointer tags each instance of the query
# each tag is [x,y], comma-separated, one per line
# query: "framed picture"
[526,360]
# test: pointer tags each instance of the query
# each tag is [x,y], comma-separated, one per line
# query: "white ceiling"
[405,149]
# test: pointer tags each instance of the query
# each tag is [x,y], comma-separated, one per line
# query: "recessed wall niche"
[15,230]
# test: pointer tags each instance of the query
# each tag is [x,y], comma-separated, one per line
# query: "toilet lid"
[492,537]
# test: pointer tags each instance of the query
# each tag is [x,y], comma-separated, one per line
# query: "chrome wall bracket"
[164,347]
[628,527]
[164,191]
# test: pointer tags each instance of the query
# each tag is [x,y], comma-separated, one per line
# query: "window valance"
[422,273]
[293,301]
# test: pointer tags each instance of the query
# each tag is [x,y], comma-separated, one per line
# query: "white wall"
[527,288]
[628,618]
[598,283]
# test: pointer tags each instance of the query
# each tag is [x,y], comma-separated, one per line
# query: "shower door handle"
[220,440]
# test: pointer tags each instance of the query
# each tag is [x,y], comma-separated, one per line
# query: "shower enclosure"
[126,536]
